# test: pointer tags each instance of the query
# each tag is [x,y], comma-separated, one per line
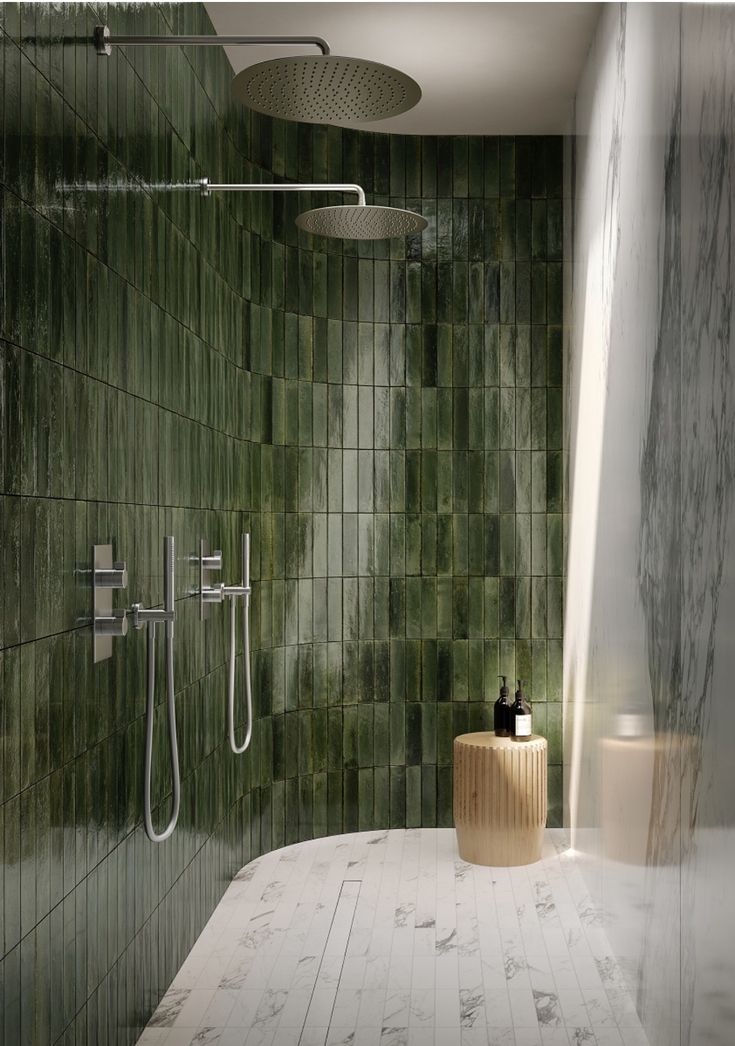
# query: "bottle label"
[523,726]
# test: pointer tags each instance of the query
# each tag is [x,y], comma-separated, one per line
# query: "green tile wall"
[385,418]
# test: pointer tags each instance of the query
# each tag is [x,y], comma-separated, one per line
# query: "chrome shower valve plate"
[208,562]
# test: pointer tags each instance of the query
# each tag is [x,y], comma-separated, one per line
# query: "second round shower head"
[326,89]
[361,222]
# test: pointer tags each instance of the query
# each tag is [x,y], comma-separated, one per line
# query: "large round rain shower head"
[323,88]
[356,222]
[326,89]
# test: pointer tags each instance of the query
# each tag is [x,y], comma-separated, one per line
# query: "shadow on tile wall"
[386,420]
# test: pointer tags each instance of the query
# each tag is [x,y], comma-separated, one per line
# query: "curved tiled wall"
[385,418]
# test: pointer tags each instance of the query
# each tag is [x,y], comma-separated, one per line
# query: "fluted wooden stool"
[499,798]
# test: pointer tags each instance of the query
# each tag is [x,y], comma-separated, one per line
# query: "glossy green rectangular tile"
[413,480]
[414,285]
[507,159]
[539,235]
[475,542]
[554,481]
[523,481]
[397,796]
[460,680]
[554,162]
[413,355]
[554,607]
[554,670]
[523,355]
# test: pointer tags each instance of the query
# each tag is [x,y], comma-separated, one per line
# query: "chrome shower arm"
[104,41]
[206,187]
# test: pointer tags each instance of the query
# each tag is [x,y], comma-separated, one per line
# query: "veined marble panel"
[708,521]
[651,433]
[623,662]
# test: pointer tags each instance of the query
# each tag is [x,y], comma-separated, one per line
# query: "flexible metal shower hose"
[239,749]
[159,837]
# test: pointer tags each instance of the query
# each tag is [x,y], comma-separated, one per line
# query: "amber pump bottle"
[520,716]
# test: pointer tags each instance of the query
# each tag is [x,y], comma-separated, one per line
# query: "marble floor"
[389,939]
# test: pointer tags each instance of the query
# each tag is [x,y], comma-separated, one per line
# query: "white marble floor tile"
[319,1014]
[346,1007]
[388,939]
[528,1035]
[220,1007]
[495,1037]
[245,1008]
[422,1008]
[611,1037]
[447,1008]
[367,1036]
[372,1007]
[195,1006]
[313,1037]
[555,1037]
[394,1035]
[522,1007]
[447,1037]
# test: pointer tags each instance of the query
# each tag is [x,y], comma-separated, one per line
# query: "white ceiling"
[484,68]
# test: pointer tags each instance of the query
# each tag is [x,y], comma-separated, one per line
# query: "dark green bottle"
[501,712]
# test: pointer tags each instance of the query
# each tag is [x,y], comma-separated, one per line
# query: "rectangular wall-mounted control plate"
[106,622]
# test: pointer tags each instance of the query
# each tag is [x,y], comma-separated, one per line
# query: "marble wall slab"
[708,520]
[650,431]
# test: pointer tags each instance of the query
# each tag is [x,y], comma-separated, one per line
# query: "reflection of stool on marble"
[499,798]
[638,778]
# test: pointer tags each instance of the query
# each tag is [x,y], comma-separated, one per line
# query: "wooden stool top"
[487,739]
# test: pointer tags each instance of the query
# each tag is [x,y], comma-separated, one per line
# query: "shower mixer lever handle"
[236,591]
[213,593]
[141,616]
[114,577]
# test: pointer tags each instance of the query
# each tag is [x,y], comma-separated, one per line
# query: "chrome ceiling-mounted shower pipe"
[104,41]
[323,88]
[361,221]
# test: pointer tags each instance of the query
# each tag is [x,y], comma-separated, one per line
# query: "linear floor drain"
[319,1011]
